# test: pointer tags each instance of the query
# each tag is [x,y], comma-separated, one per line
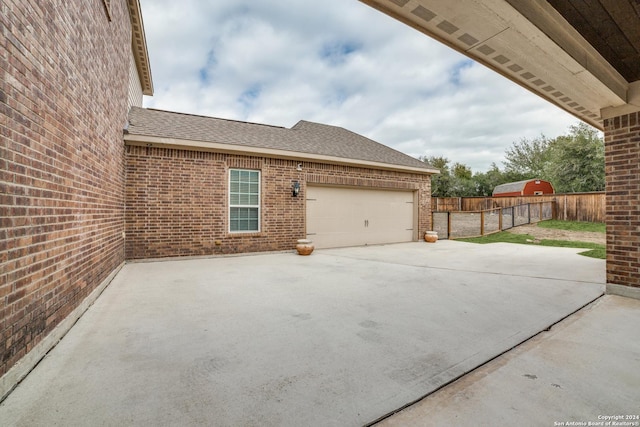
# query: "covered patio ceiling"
[583,56]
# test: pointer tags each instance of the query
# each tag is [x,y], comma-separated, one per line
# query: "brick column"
[622,159]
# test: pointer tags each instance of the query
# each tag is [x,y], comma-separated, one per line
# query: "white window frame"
[247,206]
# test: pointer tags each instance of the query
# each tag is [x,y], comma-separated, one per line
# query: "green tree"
[463,184]
[528,158]
[572,162]
[463,187]
[453,181]
[578,160]
[441,185]
[461,171]
[486,181]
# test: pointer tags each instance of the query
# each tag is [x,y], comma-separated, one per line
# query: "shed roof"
[511,187]
[305,138]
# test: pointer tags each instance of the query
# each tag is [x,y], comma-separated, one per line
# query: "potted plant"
[304,247]
[430,236]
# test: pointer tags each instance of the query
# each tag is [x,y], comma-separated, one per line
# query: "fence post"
[529,213]
[448,225]
[482,223]
[500,219]
[513,216]
[540,208]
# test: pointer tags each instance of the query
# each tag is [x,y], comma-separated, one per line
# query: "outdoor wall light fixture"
[299,168]
[295,188]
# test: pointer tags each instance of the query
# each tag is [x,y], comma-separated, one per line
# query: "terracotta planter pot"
[305,247]
[431,236]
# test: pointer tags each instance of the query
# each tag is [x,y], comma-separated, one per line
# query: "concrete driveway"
[340,338]
[585,371]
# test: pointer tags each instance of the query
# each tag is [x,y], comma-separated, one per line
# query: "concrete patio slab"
[584,371]
[339,338]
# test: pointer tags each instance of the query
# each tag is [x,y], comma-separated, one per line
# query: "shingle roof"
[511,187]
[304,137]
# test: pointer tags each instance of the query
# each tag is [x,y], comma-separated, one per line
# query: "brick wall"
[177,200]
[622,160]
[63,104]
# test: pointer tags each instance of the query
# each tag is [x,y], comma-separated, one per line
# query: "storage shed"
[528,187]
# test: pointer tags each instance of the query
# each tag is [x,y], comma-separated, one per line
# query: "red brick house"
[200,185]
[528,187]
[71,71]
[76,201]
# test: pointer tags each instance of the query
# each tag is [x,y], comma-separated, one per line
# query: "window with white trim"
[244,201]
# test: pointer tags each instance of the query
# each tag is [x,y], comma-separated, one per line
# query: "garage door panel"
[350,217]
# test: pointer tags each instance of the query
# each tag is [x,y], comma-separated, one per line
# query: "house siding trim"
[135,87]
[179,144]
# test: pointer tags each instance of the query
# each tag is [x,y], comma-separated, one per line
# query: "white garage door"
[352,217]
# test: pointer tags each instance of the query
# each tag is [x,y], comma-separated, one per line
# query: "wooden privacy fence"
[479,223]
[589,207]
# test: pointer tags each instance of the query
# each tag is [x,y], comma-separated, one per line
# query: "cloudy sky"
[341,63]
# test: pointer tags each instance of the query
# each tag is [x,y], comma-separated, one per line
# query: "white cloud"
[340,63]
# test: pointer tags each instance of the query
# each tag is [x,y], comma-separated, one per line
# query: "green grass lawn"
[573,225]
[596,250]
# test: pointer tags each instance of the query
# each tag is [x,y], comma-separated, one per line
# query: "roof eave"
[153,141]
[139,47]
[529,43]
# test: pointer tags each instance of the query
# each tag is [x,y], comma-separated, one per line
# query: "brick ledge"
[623,291]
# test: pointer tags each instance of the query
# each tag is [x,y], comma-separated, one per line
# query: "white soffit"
[497,35]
